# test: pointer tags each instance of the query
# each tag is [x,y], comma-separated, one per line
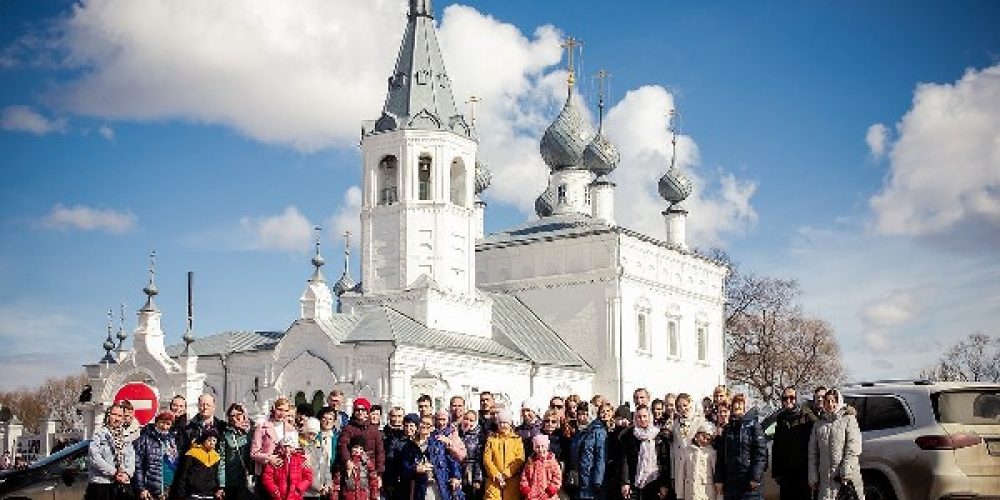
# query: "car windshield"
[59,455]
[968,406]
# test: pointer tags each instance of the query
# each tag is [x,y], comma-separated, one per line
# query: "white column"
[602,200]
[676,220]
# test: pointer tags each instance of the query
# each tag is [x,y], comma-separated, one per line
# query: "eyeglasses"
[113,414]
[556,407]
[789,398]
[551,421]
[235,415]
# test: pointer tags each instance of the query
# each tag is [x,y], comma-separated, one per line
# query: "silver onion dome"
[484,176]
[601,156]
[544,203]
[564,141]
[344,284]
[674,186]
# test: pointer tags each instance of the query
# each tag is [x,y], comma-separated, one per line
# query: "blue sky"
[854,146]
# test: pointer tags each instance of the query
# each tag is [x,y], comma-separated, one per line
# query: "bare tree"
[55,398]
[770,343]
[975,358]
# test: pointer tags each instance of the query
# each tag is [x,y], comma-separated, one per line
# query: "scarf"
[118,443]
[647,470]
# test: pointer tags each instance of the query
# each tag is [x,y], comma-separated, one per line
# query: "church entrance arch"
[306,380]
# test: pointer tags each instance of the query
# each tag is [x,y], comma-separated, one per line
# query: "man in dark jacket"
[203,421]
[360,425]
[790,459]
[742,456]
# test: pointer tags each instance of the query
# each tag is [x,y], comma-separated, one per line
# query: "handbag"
[573,478]
[847,492]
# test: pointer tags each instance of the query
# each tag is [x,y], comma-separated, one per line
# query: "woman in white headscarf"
[834,449]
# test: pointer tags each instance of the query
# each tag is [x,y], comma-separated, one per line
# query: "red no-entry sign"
[143,399]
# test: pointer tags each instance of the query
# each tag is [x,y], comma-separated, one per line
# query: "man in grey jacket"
[110,458]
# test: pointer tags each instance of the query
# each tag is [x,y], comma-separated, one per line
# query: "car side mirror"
[68,477]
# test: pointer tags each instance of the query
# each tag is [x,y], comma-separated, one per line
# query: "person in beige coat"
[697,467]
[834,448]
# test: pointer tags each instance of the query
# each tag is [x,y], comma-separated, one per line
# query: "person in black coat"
[790,449]
[612,473]
[742,455]
[644,467]
[198,474]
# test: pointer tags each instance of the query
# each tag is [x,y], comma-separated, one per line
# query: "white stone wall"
[667,286]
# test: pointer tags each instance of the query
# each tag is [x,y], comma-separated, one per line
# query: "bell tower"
[418,214]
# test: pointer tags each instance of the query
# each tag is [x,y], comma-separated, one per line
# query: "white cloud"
[638,125]
[84,218]
[886,314]
[348,216]
[877,137]
[288,231]
[944,173]
[106,132]
[26,119]
[301,73]
[892,299]
[306,74]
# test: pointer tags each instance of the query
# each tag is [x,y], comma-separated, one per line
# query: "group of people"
[653,449]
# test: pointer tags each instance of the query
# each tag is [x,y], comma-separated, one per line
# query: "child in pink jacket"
[541,477]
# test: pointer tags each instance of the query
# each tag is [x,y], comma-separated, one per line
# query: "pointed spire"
[109,343]
[421,8]
[318,261]
[602,77]
[150,290]
[419,95]
[122,334]
[345,282]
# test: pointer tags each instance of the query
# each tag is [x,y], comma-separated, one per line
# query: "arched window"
[388,175]
[458,182]
[702,343]
[424,177]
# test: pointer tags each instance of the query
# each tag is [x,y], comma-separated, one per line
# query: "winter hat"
[362,403]
[208,433]
[291,439]
[312,425]
[540,440]
[707,428]
[504,416]
[411,418]
[356,441]
[165,415]
[623,412]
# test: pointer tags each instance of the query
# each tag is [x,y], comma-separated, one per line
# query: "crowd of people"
[570,448]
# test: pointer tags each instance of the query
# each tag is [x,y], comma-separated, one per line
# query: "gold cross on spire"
[569,44]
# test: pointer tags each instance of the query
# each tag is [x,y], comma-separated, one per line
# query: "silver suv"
[928,440]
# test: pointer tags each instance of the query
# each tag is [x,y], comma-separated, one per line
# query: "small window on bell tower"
[424,177]
[561,194]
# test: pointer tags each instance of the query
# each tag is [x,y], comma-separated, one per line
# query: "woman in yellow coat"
[502,461]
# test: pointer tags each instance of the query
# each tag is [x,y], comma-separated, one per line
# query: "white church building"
[566,303]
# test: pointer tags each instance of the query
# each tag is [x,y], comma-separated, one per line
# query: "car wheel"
[877,487]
